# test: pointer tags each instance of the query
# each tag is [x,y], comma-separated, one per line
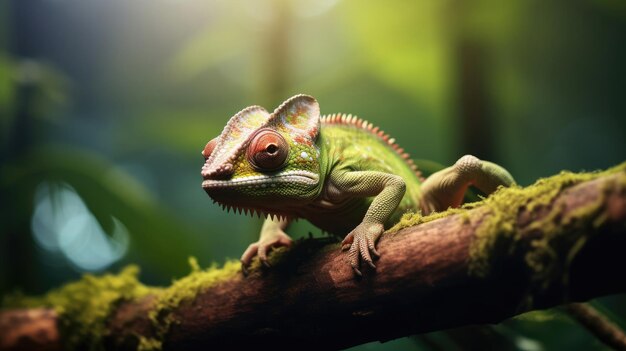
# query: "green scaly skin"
[339,172]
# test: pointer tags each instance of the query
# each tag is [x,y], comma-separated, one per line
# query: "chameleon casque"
[337,171]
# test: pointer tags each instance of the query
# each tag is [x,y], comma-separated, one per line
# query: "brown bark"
[422,283]
[34,329]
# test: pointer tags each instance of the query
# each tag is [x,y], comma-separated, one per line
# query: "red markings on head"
[208,148]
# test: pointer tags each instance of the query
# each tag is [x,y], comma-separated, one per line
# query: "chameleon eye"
[268,150]
[208,149]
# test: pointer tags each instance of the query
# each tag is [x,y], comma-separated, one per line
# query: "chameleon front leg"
[388,190]
[272,235]
[447,187]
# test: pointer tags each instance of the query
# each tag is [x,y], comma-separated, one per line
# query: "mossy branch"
[554,242]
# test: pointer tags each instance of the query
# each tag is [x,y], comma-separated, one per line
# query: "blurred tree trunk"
[474,115]
[276,64]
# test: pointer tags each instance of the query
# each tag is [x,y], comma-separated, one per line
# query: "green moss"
[198,280]
[84,306]
[557,241]
[149,344]
[287,261]
[410,219]
[187,288]
[273,258]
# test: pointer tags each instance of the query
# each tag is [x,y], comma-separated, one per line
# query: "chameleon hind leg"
[447,187]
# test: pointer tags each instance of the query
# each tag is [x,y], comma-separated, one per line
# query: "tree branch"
[480,265]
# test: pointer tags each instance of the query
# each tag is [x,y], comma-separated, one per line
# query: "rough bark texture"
[34,329]
[422,283]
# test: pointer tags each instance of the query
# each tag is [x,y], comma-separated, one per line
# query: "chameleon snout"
[222,172]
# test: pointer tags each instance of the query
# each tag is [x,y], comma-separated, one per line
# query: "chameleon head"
[266,162]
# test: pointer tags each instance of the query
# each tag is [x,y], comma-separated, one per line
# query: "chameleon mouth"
[263,181]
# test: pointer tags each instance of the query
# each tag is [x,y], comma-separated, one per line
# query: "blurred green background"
[106,105]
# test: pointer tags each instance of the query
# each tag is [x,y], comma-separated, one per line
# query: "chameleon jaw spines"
[342,118]
[249,211]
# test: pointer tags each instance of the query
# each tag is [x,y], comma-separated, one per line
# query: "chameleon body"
[337,171]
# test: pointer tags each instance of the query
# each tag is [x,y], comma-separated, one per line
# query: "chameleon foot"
[261,248]
[359,242]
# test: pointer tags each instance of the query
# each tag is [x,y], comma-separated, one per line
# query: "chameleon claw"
[376,253]
[361,243]
[371,245]
[364,254]
[266,263]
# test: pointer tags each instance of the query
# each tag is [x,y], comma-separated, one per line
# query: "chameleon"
[339,172]
[342,174]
